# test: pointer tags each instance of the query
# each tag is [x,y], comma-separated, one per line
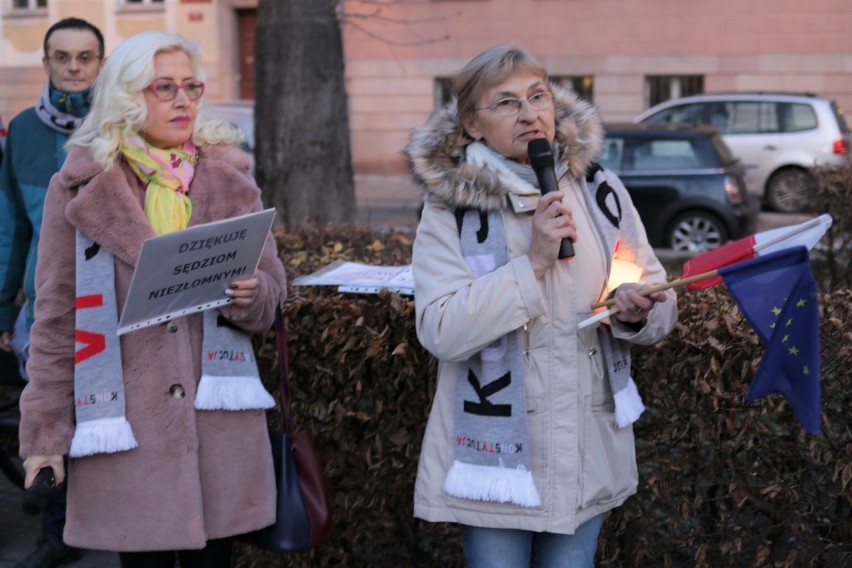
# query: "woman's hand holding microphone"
[551,223]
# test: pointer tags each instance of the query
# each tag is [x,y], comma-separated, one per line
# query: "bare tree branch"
[349,17]
[423,41]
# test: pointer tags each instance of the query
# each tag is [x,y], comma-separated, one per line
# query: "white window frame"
[32,9]
[141,6]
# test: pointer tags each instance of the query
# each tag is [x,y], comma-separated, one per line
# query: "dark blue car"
[687,186]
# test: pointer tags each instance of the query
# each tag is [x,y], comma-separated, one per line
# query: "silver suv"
[779,137]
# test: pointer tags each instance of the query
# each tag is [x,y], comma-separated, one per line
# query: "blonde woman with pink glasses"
[170,456]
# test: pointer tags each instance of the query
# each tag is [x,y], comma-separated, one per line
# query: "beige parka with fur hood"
[582,463]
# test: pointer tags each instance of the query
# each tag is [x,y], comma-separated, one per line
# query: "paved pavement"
[387,201]
[382,201]
[19,531]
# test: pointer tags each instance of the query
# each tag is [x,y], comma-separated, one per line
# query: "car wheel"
[696,232]
[788,190]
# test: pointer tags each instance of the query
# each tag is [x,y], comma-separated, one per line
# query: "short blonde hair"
[489,68]
[118,104]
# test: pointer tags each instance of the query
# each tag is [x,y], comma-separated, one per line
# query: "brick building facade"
[622,54]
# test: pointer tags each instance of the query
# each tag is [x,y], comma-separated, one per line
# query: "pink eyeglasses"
[167,90]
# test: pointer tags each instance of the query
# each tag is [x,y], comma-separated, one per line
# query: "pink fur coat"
[196,475]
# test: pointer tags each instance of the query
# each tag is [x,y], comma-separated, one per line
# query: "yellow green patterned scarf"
[168,174]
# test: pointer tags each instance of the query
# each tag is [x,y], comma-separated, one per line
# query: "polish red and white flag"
[805,234]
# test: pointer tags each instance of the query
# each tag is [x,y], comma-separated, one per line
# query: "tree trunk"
[304,165]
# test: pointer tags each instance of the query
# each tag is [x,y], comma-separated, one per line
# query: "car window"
[745,117]
[720,115]
[611,156]
[765,117]
[681,113]
[797,117]
[720,149]
[678,154]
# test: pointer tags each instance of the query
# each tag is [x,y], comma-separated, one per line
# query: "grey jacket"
[582,463]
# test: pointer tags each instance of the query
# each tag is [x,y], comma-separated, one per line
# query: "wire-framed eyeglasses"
[167,90]
[511,106]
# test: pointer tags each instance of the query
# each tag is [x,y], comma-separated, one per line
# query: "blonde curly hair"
[118,104]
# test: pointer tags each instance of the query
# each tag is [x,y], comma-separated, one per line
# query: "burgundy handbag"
[303,518]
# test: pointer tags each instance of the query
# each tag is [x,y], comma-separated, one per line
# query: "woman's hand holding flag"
[769,276]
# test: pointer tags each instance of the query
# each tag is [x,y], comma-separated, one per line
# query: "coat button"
[172,326]
[592,351]
[177,391]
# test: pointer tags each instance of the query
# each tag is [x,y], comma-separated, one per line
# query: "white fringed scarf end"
[102,436]
[628,405]
[489,483]
[232,393]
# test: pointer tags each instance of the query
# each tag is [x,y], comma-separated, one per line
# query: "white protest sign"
[361,278]
[188,271]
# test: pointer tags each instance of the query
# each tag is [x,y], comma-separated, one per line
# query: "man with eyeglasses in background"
[34,151]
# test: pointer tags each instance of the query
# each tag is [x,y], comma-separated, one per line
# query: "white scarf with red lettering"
[229,376]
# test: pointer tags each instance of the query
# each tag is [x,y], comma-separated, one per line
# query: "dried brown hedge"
[722,482]
[833,195]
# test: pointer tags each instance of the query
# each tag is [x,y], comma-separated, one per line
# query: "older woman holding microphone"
[167,462]
[529,441]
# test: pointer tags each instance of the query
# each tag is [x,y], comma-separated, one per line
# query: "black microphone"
[542,162]
[35,497]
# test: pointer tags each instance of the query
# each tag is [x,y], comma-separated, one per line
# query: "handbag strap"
[285,393]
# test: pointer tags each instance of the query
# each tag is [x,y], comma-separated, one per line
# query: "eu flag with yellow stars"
[777,295]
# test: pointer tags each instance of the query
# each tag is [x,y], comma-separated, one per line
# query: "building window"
[583,86]
[141,5]
[659,88]
[443,91]
[28,5]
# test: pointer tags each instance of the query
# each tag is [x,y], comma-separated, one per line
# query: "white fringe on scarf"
[232,393]
[489,483]
[628,405]
[102,436]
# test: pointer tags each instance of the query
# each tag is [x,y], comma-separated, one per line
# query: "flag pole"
[664,286]
[781,237]
[644,292]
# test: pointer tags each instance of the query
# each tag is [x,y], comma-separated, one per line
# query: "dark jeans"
[217,554]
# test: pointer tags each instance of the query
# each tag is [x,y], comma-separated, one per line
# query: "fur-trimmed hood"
[437,153]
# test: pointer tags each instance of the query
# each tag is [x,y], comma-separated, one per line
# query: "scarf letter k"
[95,342]
[485,407]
